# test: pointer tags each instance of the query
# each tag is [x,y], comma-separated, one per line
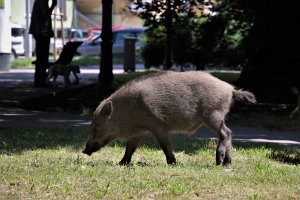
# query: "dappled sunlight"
[17,140]
[17,114]
[286,156]
[265,141]
[54,122]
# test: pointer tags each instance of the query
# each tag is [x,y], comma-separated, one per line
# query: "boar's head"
[102,128]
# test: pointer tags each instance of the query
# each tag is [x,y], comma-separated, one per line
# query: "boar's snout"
[85,151]
[89,149]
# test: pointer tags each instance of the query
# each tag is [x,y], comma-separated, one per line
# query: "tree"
[106,76]
[168,25]
[260,36]
[270,47]
[165,13]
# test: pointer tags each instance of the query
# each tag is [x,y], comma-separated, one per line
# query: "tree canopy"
[260,36]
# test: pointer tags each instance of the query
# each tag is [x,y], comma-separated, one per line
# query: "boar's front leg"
[163,140]
[131,146]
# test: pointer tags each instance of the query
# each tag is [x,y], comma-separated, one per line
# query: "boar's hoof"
[227,162]
[124,162]
[171,161]
[219,157]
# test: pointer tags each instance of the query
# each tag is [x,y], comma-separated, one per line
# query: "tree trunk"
[168,51]
[273,51]
[106,65]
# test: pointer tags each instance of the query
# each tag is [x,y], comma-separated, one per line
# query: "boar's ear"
[106,109]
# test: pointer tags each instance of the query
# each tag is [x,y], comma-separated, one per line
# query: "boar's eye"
[96,129]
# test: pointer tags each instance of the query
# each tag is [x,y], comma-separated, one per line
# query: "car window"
[76,35]
[85,34]
[118,37]
[15,32]
[97,40]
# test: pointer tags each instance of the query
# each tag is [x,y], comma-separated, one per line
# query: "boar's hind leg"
[163,140]
[227,143]
[223,152]
[131,146]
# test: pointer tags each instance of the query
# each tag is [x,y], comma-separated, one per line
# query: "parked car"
[17,40]
[99,28]
[78,35]
[93,48]
[71,35]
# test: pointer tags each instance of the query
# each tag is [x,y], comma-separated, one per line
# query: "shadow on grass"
[179,143]
[288,156]
[14,141]
[77,98]
[19,140]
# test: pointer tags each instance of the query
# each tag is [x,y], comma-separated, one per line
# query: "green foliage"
[167,17]
[156,13]
[229,77]
[153,51]
[121,79]
[197,39]
[182,40]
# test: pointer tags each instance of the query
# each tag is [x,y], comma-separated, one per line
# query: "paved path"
[16,85]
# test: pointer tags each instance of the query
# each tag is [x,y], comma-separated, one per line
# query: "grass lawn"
[79,60]
[48,164]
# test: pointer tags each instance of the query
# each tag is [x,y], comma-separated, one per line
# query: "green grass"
[120,79]
[227,76]
[86,60]
[79,60]
[22,62]
[48,164]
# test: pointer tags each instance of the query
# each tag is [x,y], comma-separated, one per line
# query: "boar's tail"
[245,96]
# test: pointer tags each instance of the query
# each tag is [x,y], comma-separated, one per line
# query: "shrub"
[197,40]
[153,51]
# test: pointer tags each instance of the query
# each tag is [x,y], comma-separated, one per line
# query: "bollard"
[129,54]
[5,60]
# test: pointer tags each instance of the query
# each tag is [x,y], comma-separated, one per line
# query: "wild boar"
[164,103]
